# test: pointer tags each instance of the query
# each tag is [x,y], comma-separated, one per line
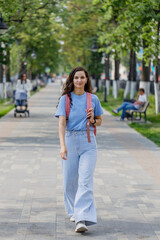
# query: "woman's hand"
[90,115]
[63,153]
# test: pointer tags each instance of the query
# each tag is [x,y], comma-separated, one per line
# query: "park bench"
[133,114]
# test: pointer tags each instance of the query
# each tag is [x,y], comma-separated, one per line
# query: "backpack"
[89,105]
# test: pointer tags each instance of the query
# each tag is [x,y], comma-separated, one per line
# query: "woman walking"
[78,147]
[23,85]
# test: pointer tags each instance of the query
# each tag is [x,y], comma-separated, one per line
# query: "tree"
[128,26]
[78,34]
[34,23]
[141,19]
[109,37]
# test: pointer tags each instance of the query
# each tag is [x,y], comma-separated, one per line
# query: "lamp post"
[33,55]
[94,47]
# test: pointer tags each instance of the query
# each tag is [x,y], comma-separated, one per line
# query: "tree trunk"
[1,73]
[84,58]
[116,77]
[23,68]
[145,72]
[145,81]
[107,78]
[131,83]
[1,82]
[29,75]
[8,66]
[97,83]
[156,83]
[133,74]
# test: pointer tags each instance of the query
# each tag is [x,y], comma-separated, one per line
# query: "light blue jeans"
[126,106]
[78,172]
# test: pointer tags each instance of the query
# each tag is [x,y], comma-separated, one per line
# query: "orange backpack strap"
[67,106]
[89,104]
[95,130]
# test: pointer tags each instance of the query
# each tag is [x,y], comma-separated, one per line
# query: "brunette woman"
[77,153]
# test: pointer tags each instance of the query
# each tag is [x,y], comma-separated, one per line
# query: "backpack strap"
[95,130]
[89,104]
[67,106]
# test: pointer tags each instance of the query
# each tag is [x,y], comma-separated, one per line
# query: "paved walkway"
[127,179]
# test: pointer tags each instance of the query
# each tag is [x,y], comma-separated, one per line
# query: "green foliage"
[16,54]
[41,25]
[128,24]
[34,25]
[79,31]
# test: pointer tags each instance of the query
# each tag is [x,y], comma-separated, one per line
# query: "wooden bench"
[140,111]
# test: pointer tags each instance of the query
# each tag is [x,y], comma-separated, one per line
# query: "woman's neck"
[78,91]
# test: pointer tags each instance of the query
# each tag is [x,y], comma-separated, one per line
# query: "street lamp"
[33,55]
[94,47]
[3,26]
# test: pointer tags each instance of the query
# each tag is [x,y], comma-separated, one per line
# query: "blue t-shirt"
[77,120]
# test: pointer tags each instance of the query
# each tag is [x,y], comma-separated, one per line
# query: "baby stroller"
[21,105]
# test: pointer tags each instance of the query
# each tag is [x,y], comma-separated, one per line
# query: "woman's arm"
[62,126]
[90,115]
[98,120]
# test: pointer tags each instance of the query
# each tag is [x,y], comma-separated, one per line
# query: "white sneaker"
[72,219]
[81,227]
[120,119]
[115,111]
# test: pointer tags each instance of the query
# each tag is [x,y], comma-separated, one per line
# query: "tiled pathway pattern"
[127,179]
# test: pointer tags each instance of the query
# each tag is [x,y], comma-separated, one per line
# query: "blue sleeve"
[61,107]
[98,109]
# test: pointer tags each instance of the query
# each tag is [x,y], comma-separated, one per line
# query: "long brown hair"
[69,85]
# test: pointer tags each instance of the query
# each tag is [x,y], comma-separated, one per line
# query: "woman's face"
[80,79]
[24,77]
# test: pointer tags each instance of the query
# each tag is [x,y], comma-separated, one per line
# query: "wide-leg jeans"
[78,172]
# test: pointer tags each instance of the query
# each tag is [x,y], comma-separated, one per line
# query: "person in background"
[23,84]
[131,106]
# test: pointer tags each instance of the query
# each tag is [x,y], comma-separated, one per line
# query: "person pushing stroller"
[22,94]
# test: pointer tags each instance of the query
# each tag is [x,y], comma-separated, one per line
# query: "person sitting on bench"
[132,106]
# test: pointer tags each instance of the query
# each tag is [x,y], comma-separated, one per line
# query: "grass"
[149,130]
[111,102]
[6,105]
[5,108]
